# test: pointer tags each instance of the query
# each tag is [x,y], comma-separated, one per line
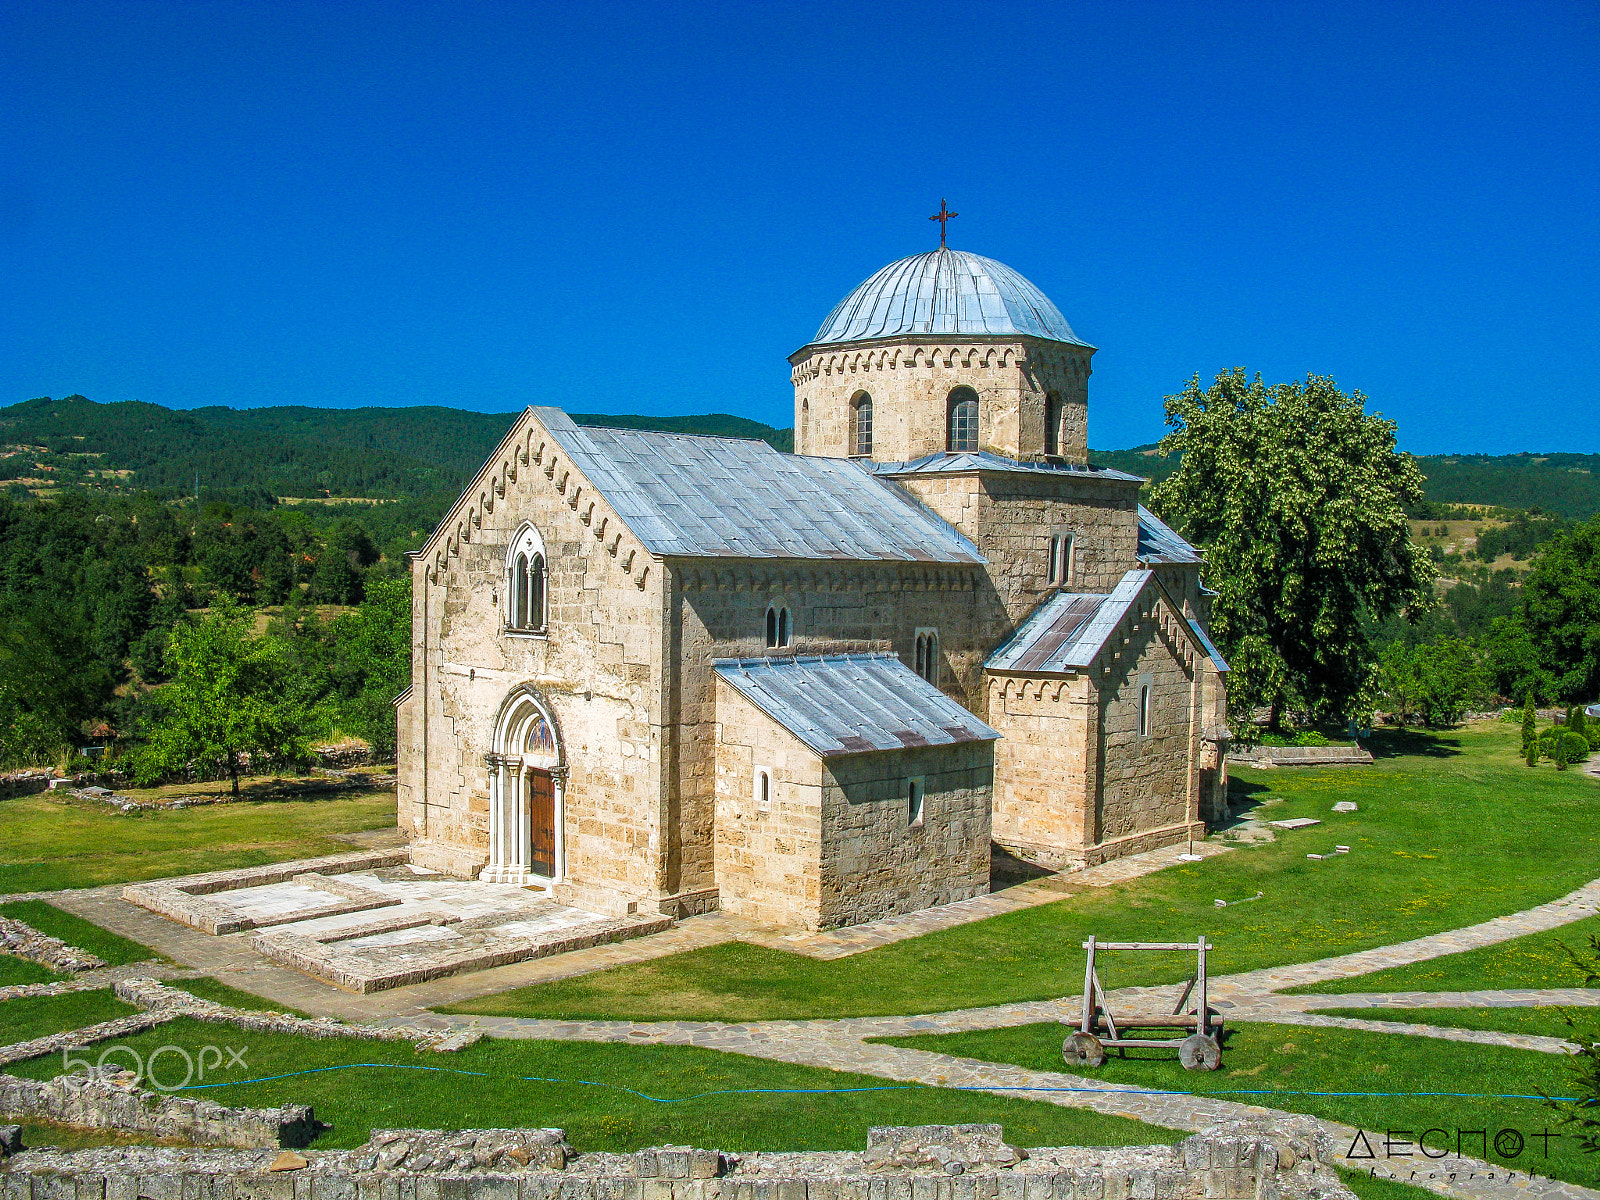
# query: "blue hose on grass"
[883,1088]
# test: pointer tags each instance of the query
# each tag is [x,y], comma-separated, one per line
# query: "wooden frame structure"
[1098,1028]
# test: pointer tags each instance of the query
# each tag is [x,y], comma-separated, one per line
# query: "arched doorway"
[527,784]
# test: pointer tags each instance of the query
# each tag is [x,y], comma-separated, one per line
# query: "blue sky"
[646,207]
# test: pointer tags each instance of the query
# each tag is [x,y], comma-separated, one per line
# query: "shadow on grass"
[1411,743]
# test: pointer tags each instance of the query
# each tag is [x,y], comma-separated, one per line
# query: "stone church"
[662,673]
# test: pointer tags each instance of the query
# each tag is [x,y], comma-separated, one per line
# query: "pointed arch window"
[926,657]
[778,630]
[963,423]
[861,425]
[527,576]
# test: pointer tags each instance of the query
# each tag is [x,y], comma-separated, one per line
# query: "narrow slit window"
[1060,568]
[926,655]
[1052,423]
[914,802]
[778,630]
[1144,710]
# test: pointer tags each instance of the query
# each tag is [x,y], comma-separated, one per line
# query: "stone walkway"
[839,1044]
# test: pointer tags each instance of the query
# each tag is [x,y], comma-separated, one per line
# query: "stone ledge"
[22,940]
[1227,1163]
[183,898]
[100,1104]
[383,967]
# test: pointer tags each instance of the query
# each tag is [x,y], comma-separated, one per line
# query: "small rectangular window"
[914,793]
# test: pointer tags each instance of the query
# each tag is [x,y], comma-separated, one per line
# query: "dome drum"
[919,330]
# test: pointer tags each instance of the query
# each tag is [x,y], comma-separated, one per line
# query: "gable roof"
[1160,543]
[852,703]
[706,496]
[1068,630]
[944,462]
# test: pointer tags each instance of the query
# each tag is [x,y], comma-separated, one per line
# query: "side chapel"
[656,672]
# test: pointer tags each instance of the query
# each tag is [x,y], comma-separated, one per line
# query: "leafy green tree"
[1583,1110]
[372,661]
[1453,677]
[233,695]
[1561,612]
[50,681]
[345,556]
[1399,679]
[1299,499]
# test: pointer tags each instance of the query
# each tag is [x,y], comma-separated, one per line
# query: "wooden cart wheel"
[1083,1050]
[1197,1052]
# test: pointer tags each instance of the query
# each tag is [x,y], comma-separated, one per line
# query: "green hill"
[389,453]
[289,451]
[1565,484]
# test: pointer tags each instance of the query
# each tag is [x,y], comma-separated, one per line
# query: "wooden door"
[542,822]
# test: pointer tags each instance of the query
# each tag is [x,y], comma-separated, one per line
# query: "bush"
[1583,1111]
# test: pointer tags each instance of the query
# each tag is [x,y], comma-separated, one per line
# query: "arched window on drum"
[527,583]
[963,409]
[861,426]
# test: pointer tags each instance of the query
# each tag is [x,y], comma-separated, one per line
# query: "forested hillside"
[258,453]
[1566,484]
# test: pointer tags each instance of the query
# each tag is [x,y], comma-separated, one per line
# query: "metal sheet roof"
[964,461]
[708,496]
[852,703]
[945,291]
[1211,647]
[1069,629]
[1160,543]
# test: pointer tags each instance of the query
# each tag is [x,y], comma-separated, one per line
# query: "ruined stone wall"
[875,861]
[718,610]
[598,667]
[1149,785]
[768,855]
[1044,763]
[910,383]
[1011,517]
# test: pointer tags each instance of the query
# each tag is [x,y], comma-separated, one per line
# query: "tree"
[1299,499]
[232,696]
[1561,612]
[372,661]
[1453,676]
[1583,1110]
[1530,723]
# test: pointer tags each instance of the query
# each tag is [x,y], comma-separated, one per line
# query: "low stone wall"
[99,1104]
[1286,1161]
[24,941]
[1299,756]
[24,783]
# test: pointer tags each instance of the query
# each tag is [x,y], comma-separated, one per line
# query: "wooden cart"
[1098,1028]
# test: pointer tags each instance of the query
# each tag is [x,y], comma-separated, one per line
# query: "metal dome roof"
[945,291]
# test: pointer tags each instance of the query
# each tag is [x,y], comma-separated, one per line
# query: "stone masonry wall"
[1043,802]
[875,861]
[1149,786]
[910,384]
[598,667]
[1011,518]
[1287,1161]
[768,856]
[719,611]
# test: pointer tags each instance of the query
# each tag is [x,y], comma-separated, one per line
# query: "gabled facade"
[642,662]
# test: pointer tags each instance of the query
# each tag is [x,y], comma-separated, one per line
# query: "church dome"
[945,292]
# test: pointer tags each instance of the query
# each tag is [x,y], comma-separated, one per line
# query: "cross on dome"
[943,215]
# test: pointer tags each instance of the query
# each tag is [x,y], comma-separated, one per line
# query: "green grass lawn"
[55,841]
[1275,1065]
[1542,1022]
[212,989]
[595,1117]
[1428,797]
[32,1017]
[1535,961]
[75,931]
[15,971]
